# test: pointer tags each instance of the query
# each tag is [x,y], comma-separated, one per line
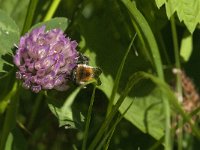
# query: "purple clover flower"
[45,59]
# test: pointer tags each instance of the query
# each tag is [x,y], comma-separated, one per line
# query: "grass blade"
[29,16]
[148,40]
[10,117]
[88,119]
[52,10]
[118,76]
[132,81]
[112,129]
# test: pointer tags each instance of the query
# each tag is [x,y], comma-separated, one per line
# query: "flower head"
[45,59]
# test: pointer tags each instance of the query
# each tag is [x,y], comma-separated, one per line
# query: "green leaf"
[187,11]
[109,134]
[65,114]
[186,46]
[159,3]
[146,35]
[132,82]
[172,99]
[148,108]
[58,22]
[6,88]
[16,140]
[146,113]
[9,35]
[15,9]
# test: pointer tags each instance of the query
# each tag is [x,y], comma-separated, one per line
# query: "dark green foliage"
[133,44]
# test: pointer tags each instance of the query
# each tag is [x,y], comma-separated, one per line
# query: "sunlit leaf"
[187,11]
[159,3]
[16,141]
[186,47]
[58,22]
[9,35]
[16,10]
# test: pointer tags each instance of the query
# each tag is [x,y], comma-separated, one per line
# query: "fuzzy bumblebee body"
[84,73]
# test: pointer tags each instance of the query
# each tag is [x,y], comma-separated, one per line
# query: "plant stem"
[112,130]
[35,109]
[167,124]
[10,117]
[177,59]
[178,77]
[52,10]
[88,119]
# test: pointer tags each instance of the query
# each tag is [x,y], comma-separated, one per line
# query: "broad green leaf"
[173,101]
[9,35]
[58,22]
[187,11]
[186,47]
[159,3]
[134,79]
[15,9]
[9,142]
[65,114]
[146,112]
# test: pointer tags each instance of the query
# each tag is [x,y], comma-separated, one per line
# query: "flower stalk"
[10,117]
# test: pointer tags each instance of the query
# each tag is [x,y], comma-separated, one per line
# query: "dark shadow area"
[81,105]
[7,62]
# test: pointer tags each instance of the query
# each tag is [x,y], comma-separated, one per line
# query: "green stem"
[29,15]
[177,59]
[180,134]
[178,77]
[167,124]
[109,138]
[38,101]
[163,47]
[10,117]
[88,119]
[52,10]
[112,130]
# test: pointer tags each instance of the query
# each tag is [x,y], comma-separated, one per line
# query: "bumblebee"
[84,73]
